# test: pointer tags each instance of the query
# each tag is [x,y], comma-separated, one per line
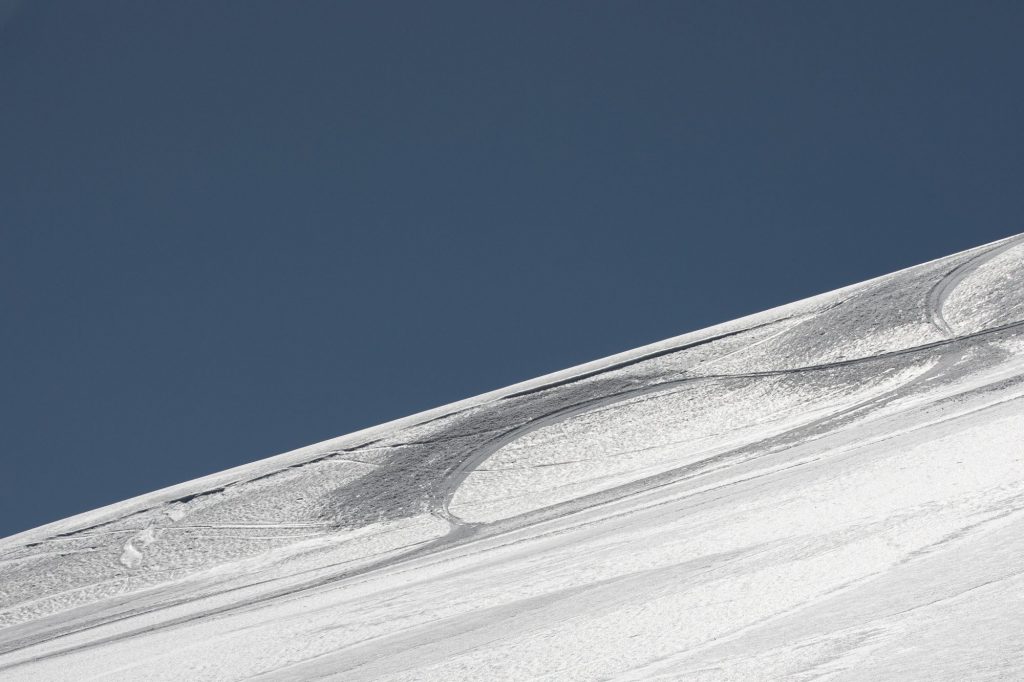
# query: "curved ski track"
[945,286]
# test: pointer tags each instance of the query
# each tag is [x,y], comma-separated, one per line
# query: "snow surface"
[833,489]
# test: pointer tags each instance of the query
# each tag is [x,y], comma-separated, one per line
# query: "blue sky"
[228,229]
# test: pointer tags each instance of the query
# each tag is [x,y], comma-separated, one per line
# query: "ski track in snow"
[940,292]
[816,392]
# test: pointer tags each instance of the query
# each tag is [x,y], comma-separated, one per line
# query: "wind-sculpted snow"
[834,488]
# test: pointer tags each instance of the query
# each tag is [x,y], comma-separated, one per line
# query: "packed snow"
[833,489]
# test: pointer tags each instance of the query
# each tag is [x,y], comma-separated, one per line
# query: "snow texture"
[833,490]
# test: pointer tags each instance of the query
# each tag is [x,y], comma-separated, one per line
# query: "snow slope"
[832,489]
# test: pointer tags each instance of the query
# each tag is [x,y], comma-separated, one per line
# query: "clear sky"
[228,229]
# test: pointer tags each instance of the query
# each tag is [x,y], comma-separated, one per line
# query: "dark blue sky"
[228,229]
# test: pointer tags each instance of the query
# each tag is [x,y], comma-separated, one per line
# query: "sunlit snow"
[833,490]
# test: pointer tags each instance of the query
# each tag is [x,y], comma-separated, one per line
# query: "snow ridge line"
[807,368]
[637,360]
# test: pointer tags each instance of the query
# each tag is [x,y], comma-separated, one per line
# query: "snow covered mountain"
[831,489]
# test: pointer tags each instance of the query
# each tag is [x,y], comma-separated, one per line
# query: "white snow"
[833,489]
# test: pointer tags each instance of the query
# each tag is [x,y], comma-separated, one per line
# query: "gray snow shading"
[832,489]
